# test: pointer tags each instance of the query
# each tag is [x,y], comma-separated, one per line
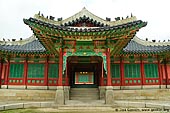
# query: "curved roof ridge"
[149,43]
[85,12]
[19,42]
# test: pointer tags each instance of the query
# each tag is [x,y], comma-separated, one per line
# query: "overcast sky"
[155,12]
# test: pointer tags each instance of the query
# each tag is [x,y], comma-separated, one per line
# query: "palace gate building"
[84,51]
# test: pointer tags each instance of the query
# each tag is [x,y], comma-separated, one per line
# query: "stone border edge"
[25,105]
[126,104]
[129,104]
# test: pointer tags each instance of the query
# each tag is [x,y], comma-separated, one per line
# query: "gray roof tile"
[134,47]
[34,46]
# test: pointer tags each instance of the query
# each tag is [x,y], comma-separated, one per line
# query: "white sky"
[155,12]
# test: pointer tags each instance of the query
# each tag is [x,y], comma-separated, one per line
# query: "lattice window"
[83,78]
[132,70]
[115,70]
[53,71]
[35,70]
[151,70]
[16,70]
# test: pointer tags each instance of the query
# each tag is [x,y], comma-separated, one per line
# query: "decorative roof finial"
[39,13]
[84,8]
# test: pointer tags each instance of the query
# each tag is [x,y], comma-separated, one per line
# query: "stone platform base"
[27,95]
[142,94]
[149,93]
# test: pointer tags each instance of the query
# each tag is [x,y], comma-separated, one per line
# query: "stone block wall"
[27,95]
[142,94]
[119,94]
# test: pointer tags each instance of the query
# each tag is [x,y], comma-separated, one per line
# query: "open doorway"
[84,71]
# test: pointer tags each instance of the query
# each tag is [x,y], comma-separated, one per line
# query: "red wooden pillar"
[67,80]
[1,68]
[7,72]
[25,71]
[109,82]
[46,73]
[60,78]
[166,72]
[142,71]
[159,72]
[122,72]
[77,78]
[102,77]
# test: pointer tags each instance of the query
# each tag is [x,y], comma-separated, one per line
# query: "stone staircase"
[84,94]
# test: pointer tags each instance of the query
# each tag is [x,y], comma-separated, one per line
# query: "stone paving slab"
[20,105]
[32,104]
[79,104]
[13,106]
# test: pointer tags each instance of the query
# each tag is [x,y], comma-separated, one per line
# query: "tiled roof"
[90,29]
[84,19]
[133,46]
[136,47]
[32,47]
[84,14]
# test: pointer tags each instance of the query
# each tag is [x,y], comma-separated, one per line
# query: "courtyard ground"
[97,106]
[52,110]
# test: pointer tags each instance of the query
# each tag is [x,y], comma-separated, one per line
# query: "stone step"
[83,98]
[80,95]
[100,108]
[84,94]
[84,89]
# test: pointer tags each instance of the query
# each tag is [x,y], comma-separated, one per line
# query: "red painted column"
[46,73]
[90,78]
[1,68]
[159,72]
[142,71]
[67,80]
[109,82]
[166,72]
[60,78]
[7,72]
[122,72]
[25,72]
[77,78]
[102,77]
